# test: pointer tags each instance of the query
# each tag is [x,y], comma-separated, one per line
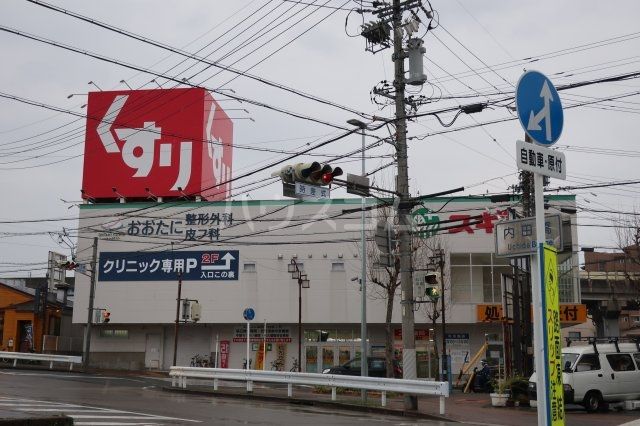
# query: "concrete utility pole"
[177,328]
[409,370]
[92,292]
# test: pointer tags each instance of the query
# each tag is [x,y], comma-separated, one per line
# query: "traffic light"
[68,265]
[313,173]
[432,283]
[106,317]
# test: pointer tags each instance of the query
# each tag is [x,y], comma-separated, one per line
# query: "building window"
[476,277]
[337,266]
[114,334]
[249,267]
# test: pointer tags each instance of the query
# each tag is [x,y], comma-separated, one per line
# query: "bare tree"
[628,237]
[386,279]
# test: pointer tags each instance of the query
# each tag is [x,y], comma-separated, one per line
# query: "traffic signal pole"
[92,292]
[409,370]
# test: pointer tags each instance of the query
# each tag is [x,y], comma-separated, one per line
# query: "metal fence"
[36,358]
[61,345]
[179,376]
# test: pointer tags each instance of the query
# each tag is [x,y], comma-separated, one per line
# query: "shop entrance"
[320,356]
[25,336]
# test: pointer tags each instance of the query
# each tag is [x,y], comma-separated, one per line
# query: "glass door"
[311,359]
[327,357]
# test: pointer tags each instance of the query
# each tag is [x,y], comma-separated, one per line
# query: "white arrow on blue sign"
[539,108]
[249,314]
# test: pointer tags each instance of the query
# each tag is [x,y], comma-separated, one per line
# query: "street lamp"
[363,281]
[303,282]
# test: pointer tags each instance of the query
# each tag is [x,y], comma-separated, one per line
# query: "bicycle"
[296,365]
[277,365]
[244,363]
[200,361]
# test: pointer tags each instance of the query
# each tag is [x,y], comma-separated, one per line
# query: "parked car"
[377,368]
[598,373]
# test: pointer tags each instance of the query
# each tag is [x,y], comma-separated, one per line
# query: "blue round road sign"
[249,314]
[539,108]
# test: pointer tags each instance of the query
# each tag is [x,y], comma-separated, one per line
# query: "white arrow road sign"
[227,265]
[544,113]
[104,128]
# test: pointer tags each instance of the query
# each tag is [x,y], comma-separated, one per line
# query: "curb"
[309,402]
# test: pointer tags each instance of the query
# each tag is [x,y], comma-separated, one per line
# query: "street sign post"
[249,314]
[540,115]
[539,108]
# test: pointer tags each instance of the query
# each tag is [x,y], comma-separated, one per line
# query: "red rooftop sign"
[165,143]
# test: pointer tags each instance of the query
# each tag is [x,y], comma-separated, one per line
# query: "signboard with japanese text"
[554,338]
[275,334]
[160,143]
[212,265]
[306,191]
[419,334]
[569,313]
[224,354]
[428,223]
[458,348]
[204,226]
[518,237]
[489,313]
[538,159]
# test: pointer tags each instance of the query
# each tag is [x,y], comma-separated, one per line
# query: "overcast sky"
[570,41]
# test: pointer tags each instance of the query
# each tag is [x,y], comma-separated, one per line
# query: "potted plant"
[501,393]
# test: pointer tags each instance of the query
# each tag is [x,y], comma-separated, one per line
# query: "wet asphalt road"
[94,400]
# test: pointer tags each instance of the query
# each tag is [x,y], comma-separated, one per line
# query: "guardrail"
[179,376]
[50,358]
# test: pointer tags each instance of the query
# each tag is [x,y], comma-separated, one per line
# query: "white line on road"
[23,404]
[67,376]
[112,424]
[62,409]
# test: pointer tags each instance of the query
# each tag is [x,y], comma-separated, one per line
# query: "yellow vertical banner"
[260,357]
[554,339]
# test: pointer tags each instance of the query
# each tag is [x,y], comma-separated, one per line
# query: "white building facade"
[230,256]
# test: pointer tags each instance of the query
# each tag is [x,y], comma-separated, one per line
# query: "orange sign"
[569,313]
[488,313]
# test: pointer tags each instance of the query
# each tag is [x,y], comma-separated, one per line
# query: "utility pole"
[175,336]
[445,358]
[92,292]
[409,370]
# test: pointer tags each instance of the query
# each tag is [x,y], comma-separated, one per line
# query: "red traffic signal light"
[68,265]
[106,316]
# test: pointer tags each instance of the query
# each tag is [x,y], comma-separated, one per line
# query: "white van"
[597,373]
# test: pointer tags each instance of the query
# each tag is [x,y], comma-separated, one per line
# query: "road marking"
[112,424]
[67,376]
[86,412]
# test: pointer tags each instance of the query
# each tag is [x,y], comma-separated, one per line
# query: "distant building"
[235,255]
[610,285]
[29,323]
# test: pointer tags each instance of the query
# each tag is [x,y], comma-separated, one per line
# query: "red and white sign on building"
[163,142]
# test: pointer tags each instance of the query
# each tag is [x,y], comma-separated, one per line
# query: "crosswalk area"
[85,415]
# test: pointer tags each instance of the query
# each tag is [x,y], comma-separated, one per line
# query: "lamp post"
[303,282]
[363,255]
